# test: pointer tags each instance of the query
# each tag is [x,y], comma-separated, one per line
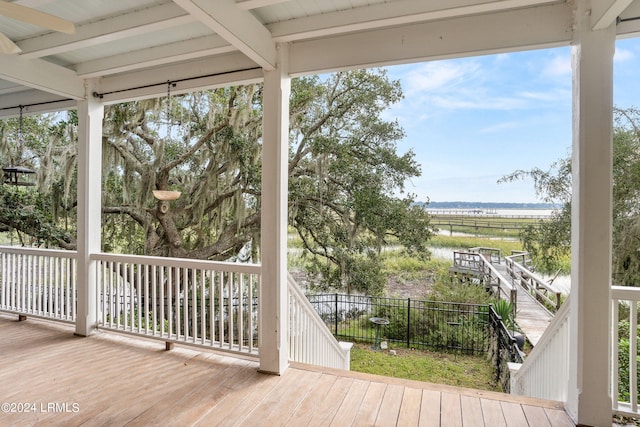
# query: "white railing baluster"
[633,356]
[190,296]
[33,282]
[221,336]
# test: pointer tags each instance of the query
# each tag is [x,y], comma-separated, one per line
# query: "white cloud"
[559,66]
[439,76]
[622,55]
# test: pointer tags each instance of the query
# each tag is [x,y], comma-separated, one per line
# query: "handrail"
[310,341]
[477,262]
[502,283]
[533,283]
[494,253]
[545,372]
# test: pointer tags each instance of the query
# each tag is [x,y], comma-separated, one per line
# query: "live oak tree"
[346,179]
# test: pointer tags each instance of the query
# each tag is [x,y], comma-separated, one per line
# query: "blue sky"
[471,121]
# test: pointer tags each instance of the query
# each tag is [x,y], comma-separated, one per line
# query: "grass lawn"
[442,368]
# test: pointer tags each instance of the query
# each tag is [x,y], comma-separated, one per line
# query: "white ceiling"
[133,47]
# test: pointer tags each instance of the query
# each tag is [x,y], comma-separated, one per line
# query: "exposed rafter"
[156,56]
[254,4]
[130,24]
[238,27]
[605,12]
[43,75]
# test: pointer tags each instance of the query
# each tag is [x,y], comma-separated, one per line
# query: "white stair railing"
[545,372]
[310,341]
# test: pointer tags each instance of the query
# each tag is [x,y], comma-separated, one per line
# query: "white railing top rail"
[235,267]
[23,250]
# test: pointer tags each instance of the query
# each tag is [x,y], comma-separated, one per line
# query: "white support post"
[90,114]
[589,398]
[273,328]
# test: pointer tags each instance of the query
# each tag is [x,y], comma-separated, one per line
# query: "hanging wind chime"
[165,196]
[15,174]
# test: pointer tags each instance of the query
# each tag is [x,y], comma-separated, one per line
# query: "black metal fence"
[412,323]
[435,325]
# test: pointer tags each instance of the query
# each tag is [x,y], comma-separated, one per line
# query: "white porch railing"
[38,282]
[624,376]
[310,341]
[204,303]
[545,371]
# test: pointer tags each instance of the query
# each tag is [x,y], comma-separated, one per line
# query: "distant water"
[494,212]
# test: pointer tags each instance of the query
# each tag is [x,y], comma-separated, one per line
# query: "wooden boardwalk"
[109,379]
[531,316]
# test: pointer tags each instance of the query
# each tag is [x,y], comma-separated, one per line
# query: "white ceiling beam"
[254,4]
[605,12]
[389,14]
[194,75]
[155,56]
[238,27]
[42,75]
[544,26]
[130,24]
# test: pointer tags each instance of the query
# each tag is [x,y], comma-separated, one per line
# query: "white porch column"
[589,400]
[90,113]
[274,307]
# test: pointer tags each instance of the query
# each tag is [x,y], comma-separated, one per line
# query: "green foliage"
[456,370]
[346,166]
[504,309]
[550,244]
[453,291]
[623,360]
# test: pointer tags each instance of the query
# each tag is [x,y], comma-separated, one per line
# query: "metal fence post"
[408,322]
[336,315]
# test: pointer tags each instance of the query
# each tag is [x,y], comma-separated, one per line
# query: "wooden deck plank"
[514,415]
[332,401]
[368,411]
[536,416]
[120,380]
[430,408]
[492,413]
[390,407]
[291,384]
[450,410]
[471,412]
[301,415]
[410,409]
[558,418]
[348,410]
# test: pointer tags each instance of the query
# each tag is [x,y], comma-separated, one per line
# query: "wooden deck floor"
[113,380]
[531,317]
